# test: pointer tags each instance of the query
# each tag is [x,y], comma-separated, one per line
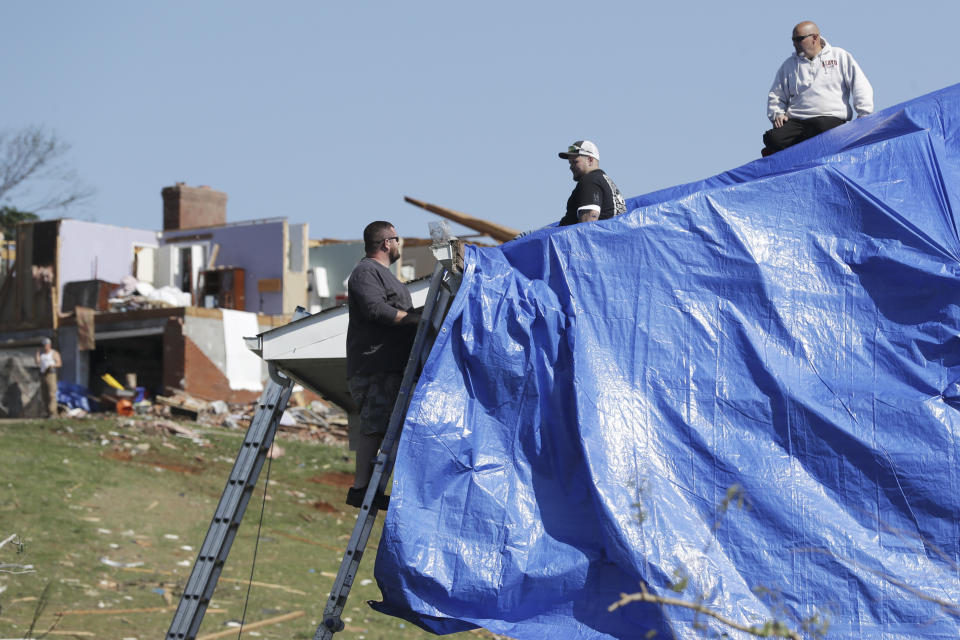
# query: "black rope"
[256,543]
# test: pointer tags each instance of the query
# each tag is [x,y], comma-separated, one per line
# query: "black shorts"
[375,394]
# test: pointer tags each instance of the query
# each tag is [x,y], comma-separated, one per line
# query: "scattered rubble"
[317,421]
[133,294]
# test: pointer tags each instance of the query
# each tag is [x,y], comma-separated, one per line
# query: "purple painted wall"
[255,246]
[94,251]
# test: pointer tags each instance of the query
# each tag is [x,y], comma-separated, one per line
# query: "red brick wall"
[191,207]
[186,367]
[206,381]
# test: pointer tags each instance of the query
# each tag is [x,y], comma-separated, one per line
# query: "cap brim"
[567,155]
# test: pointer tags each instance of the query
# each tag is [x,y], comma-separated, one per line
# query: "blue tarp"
[74,396]
[742,393]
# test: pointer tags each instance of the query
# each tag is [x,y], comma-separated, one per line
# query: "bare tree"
[34,172]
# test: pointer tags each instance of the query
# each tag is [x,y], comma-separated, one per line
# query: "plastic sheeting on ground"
[743,393]
[75,396]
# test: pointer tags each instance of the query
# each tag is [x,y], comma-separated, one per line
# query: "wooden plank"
[293,615]
[269,284]
[24,286]
[86,329]
[172,239]
[496,231]
[213,255]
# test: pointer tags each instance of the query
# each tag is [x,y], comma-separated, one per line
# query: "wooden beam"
[496,231]
[253,625]
[214,252]
[269,284]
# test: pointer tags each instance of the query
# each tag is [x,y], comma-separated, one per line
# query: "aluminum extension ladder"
[442,288]
[246,470]
[233,503]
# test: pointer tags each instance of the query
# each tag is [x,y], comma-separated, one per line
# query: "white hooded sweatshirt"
[820,87]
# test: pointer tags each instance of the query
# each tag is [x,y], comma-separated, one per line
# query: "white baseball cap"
[581,148]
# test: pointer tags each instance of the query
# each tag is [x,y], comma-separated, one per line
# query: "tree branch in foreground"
[770,629]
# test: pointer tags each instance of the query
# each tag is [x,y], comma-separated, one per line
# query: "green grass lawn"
[111,514]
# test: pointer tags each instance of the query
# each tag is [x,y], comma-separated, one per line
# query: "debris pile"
[133,294]
[317,420]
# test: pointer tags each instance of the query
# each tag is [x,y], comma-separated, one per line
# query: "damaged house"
[166,308]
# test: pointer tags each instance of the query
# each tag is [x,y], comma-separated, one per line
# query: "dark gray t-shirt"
[374,342]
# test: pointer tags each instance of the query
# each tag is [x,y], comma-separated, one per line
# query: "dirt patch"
[121,456]
[150,461]
[324,507]
[333,479]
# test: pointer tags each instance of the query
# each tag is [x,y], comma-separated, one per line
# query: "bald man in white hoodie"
[813,90]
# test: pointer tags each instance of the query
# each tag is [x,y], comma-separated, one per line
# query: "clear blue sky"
[330,112]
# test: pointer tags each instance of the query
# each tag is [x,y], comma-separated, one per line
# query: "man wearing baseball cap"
[595,197]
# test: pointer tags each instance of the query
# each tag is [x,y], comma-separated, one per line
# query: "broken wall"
[197,360]
[171,349]
[260,248]
[295,273]
[117,337]
[331,262]
[28,293]
[94,251]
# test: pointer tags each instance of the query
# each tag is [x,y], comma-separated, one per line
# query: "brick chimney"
[190,207]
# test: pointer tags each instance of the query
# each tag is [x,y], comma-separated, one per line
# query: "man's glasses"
[799,39]
[397,238]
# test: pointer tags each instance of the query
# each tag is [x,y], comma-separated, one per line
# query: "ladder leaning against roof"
[233,503]
[246,470]
[443,286]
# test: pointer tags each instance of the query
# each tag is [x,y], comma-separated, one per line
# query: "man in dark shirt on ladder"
[379,337]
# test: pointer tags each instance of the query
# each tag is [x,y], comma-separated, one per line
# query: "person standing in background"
[48,359]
